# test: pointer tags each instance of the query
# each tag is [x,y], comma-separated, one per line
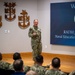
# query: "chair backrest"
[2,71]
[9,72]
[6,72]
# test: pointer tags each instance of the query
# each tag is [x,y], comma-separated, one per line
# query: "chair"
[6,72]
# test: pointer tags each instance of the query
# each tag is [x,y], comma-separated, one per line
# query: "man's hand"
[34,34]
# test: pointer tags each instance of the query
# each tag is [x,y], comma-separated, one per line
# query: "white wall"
[17,39]
[44,18]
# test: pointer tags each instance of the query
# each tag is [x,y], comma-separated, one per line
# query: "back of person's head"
[39,59]
[18,65]
[0,56]
[16,56]
[56,62]
[31,73]
[35,20]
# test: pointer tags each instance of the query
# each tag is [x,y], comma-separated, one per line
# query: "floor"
[67,61]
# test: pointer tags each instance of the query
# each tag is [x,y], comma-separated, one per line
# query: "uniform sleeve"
[47,72]
[33,68]
[62,73]
[11,67]
[26,68]
[6,65]
[30,33]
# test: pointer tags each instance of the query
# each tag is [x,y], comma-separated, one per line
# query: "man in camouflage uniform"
[18,67]
[55,68]
[37,67]
[35,34]
[17,56]
[3,64]
[72,73]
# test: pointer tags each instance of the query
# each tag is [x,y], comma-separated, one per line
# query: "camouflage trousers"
[37,50]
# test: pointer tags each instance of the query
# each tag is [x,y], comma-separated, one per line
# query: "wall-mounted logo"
[10,11]
[0,21]
[24,20]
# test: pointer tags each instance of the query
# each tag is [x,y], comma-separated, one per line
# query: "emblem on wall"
[10,11]
[24,20]
[0,21]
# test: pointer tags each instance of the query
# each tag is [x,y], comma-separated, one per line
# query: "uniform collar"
[35,27]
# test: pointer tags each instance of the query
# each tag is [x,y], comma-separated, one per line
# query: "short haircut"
[56,62]
[35,20]
[16,56]
[0,56]
[39,59]
[18,65]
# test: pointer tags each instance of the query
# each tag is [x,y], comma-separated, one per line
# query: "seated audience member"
[55,68]
[3,64]
[18,67]
[37,67]
[17,56]
[31,73]
[72,73]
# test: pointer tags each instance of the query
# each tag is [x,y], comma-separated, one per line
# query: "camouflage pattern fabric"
[35,41]
[39,69]
[4,65]
[72,73]
[11,67]
[25,68]
[54,72]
